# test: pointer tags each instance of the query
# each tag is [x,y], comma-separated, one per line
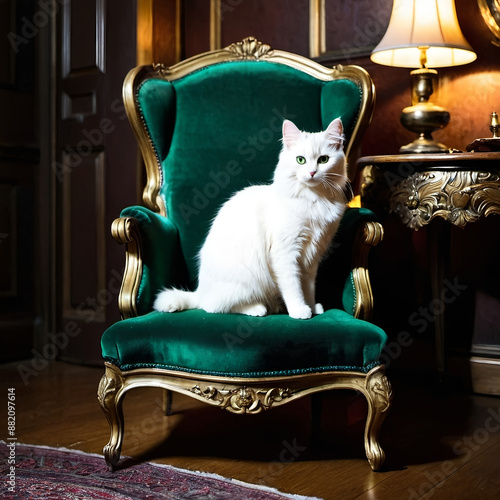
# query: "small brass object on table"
[489,143]
[494,125]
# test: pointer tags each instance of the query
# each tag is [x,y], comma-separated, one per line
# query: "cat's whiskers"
[348,189]
[335,186]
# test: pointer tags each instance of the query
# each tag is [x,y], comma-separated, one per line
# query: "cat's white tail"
[175,300]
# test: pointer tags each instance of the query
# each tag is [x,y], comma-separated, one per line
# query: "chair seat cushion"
[241,346]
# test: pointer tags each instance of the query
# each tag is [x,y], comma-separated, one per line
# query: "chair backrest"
[211,125]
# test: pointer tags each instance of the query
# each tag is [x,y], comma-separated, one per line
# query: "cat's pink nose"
[312,174]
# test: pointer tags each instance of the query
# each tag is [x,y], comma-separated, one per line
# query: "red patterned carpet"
[42,473]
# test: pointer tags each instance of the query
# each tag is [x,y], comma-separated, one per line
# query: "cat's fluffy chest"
[306,226]
[308,217]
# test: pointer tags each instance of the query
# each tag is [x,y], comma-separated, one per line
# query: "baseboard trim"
[485,375]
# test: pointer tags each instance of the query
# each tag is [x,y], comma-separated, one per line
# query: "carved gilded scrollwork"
[161,69]
[107,395]
[242,399]
[369,235]
[106,391]
[245,396]
[126,230]
[276,395]
[250,48]
[459,197]
[490,10]
[379,398]
[382,392]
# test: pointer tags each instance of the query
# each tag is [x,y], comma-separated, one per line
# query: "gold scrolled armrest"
[126,230]
[369,235]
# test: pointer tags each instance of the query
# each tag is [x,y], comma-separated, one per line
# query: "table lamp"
[423,33]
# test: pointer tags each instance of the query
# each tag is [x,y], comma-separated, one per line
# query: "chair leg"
[316,410]
[110,399]
[167,402]
[379,397]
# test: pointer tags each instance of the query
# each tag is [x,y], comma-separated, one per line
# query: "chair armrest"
[153,258]
[360,231]
[360,298]
[343,279]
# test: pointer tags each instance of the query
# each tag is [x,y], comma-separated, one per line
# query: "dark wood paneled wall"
[68,165]
[19,164]
[96,167]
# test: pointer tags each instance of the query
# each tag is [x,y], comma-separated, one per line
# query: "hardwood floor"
[439,444]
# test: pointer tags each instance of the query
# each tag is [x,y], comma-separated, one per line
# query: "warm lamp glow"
[418,24]
[423,34]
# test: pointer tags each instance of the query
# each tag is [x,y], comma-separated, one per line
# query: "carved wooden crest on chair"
[241,92]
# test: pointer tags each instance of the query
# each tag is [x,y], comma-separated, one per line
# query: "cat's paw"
[318,309]
[256,310]
[300,312]
[168,301]
[165,305]
[251,310]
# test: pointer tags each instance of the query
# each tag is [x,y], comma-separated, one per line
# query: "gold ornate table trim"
[458,197]
[458,187]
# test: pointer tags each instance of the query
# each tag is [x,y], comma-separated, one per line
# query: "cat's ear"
[290,133]
[335,133]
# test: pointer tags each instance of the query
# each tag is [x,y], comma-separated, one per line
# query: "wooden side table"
[457,187]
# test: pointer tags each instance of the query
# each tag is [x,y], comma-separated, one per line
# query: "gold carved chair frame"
[240,395]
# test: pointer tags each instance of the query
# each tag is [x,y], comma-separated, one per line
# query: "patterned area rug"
[44,473]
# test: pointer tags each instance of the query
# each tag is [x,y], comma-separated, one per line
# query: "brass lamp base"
[424,117]
[423,145]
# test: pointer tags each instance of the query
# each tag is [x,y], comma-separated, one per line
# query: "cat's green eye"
[323,159]
[301,160]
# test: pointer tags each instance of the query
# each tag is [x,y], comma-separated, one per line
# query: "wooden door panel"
[85,28]
[82,67]
[95,157]
[84,251]
[19,163]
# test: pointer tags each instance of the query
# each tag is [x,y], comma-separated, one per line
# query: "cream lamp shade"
[423,24]
[423,34]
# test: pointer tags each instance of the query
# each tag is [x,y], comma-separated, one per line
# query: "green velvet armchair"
[207,127]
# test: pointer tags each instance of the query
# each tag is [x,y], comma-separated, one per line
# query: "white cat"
[265,244]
